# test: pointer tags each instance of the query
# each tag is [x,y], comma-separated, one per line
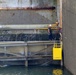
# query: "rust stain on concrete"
[27,8]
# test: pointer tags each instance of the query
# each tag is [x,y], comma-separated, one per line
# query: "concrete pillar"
[26,55]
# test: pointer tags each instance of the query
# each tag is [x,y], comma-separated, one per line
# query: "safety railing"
[57,51]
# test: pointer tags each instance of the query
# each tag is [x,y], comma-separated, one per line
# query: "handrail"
[57,44]
[39,51]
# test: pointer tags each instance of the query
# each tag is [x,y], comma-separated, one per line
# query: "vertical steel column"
[26,55]
[61,13]
[5,50]
[46,50]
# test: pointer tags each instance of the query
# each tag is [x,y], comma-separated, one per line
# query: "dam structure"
[69,34]
[23,31]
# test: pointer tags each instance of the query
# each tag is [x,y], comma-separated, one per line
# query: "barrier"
[57,51]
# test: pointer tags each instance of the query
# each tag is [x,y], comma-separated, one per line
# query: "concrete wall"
[26,3]
[69,34]
[27,17]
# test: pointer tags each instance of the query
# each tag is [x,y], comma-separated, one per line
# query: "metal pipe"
[61,13]
[36,26]
[27,8]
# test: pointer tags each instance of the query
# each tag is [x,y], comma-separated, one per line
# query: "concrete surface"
[9,17]
[26,3]
[69,34]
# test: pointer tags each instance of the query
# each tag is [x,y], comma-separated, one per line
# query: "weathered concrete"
[26,3]
[27,17]
[69,34]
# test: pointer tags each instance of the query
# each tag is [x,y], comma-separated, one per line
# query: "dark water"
[21,70]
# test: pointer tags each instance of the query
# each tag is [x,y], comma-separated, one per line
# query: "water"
[21,70]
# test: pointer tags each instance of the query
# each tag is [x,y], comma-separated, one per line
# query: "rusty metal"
[27,8]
